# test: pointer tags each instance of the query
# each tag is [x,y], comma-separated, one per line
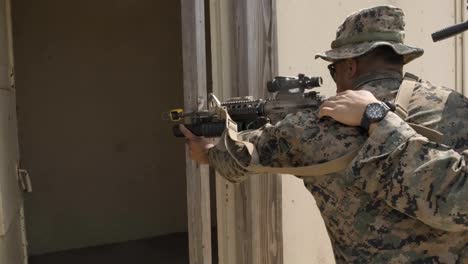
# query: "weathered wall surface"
[307,27]
[93,78]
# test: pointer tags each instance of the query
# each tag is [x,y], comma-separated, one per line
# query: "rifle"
[287,95]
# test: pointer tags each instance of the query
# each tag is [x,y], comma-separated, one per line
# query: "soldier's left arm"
[422,179]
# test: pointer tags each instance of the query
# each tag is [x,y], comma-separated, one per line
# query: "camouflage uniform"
[403,199]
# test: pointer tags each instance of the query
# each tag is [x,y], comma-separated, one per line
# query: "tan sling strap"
[402,100]
[332,166]
[404,94]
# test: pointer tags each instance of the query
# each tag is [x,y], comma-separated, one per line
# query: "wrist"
[373,114]
[205,159]
[372,127]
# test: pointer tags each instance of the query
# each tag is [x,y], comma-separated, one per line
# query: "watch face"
[375,112]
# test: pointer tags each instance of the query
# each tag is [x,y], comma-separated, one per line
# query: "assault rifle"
[287,95]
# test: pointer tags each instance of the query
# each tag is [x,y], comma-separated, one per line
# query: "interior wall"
[93,78]
[308,27]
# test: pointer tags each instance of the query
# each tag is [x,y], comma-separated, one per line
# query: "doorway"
[93,78]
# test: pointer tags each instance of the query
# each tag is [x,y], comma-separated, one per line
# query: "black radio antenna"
[450,31]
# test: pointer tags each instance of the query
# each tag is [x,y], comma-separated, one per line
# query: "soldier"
[403,198]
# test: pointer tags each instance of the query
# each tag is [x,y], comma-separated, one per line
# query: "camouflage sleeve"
[300,139]
[231,163]
[422,179]
[220,159]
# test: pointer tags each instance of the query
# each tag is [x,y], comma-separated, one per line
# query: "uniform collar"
[375,76]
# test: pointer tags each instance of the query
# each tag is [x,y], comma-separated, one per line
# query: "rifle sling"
[402,101]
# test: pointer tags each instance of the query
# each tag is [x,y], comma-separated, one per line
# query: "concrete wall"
[307,27]
[93,78]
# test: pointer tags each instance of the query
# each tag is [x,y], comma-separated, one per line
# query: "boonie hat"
[367,29]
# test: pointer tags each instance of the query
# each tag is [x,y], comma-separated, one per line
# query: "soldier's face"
[342,72]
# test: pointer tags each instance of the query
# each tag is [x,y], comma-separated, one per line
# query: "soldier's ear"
[351,68]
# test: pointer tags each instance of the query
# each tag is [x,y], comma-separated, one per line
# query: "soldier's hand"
[198,146]
[347,107]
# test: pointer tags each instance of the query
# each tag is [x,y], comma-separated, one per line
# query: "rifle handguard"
[209,130]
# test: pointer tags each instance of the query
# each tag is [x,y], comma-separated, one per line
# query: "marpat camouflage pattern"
[402,200]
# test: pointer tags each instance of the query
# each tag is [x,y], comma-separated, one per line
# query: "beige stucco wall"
[307,27]
[93,78]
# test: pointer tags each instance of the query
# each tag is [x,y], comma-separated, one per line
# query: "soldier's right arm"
[300,139]
[230,159]
[220,159]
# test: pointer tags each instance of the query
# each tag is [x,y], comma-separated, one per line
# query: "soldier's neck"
[374,76]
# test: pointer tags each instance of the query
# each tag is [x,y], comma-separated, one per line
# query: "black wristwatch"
[374,113]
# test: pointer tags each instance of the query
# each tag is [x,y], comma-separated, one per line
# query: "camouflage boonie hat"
[368,29]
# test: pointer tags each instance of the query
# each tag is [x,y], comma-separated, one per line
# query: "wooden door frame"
[198,184]
[244,56]
[13,243]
